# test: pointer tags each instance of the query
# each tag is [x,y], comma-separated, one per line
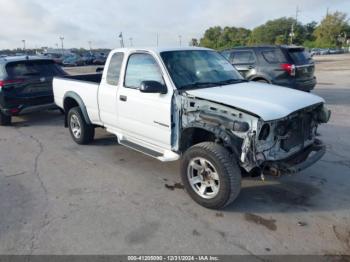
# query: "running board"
[167,156]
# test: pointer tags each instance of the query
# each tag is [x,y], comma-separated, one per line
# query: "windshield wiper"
[231,81]
[198,84]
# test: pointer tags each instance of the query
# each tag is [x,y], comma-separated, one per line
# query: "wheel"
[81,132]
[261,81]
[5,120]
[210,175]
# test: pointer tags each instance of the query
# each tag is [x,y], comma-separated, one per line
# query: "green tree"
[222,38]
[278,32]
[330,28]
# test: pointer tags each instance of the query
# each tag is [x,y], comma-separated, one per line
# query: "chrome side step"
[141,149]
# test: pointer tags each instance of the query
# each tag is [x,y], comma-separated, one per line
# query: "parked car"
[26,85]
[192,103]
[324,51]
[73,60]
[288,66]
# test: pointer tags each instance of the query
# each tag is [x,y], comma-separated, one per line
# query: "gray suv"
[288,66]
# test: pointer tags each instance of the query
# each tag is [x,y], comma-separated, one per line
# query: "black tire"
[87,131]
[5,120]
[226,167]
[261,81]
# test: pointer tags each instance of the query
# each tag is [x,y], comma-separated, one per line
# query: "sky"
[42,22]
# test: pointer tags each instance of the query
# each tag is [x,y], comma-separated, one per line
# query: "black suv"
[26,85]
[288,66]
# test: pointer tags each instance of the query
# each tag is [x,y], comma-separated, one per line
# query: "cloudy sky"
[41,22]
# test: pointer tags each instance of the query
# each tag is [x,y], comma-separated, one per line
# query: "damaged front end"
[286,145]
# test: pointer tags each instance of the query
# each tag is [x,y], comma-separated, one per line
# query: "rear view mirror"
[153,87]
[99,69]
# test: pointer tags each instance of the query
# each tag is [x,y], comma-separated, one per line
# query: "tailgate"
[304,65]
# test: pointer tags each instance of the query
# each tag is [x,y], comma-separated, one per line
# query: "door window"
[113,72]
[243,57]
[142,67]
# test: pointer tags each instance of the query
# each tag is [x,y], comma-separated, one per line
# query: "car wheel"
[5,120]
[210,175]
[81,132]
[261,81]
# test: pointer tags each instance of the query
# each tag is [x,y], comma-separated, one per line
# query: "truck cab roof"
[159,49]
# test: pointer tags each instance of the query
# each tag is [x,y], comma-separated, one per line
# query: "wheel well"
[192,136]
[260,78]
[68,104]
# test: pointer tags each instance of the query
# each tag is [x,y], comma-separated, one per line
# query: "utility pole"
[90,43]
[292,34]
[121,40]
[24,45]
[62,39]
[180,40]
[130,39]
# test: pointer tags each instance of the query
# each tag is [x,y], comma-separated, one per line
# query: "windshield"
[192,69]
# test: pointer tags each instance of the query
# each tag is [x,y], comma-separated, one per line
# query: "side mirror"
[99,69]
[153,87]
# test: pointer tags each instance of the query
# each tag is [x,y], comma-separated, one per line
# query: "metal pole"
[180,40]
[157,39]
[62,38]
[90,42]
[24,45]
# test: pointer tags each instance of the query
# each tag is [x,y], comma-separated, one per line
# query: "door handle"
[123,98]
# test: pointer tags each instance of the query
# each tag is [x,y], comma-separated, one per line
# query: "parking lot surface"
[57,197]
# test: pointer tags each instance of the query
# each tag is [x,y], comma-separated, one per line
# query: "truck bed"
[85,87]
[95,78]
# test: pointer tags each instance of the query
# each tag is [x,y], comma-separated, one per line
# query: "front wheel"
[81,132]
[210,175]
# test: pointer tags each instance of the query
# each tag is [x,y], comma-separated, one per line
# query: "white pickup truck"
[191,103]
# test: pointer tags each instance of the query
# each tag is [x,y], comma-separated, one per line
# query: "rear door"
[304,65]
[30,82]
[244,61]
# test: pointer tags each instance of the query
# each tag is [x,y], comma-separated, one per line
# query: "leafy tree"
[222,38]
[330,28]
[278,32]
[194,42]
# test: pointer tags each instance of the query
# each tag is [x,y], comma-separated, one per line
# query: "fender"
[77,98]
[228,140]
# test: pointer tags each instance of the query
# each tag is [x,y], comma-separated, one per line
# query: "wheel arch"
[70,100]
[198,133]
[260,77]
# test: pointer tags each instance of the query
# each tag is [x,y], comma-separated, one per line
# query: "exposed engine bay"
[257,143]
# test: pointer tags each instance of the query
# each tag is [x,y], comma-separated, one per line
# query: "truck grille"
[300,130]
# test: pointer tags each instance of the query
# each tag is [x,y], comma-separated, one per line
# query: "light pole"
[24,45]
[121,40]
[62,38]
[90,43]
[180,40]
[157,39]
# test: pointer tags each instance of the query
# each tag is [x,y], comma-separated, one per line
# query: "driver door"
[144,116]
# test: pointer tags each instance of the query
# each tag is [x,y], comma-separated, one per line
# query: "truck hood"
[269,102]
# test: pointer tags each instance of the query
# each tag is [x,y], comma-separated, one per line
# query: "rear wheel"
[210,175]
[261,81]
[5,120]
[81,132]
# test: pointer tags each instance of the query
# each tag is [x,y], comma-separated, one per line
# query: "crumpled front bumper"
[299,161]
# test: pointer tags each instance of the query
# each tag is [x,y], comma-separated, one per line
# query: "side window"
[242,57]
[273,56]
[142,67]
[113,72]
